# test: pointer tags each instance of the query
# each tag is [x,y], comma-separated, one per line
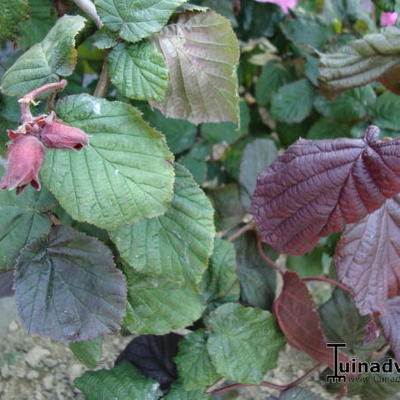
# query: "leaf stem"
[29,98]
[262,254]
[271,385]
[330,281]
[89,8]
[102,84]
[241,231]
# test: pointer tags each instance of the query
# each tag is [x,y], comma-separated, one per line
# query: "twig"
[262,254]
[89,8]
[241,231]
[29,98]
[271,385]
[330,281]
[102,84]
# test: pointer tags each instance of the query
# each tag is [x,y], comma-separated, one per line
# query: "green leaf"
[361,61]
[307,31]
[274,75]
[326,128]
[244,343]
[42,18]
[104,39]
[177,245]
[11,13]
[88,352]
[308,265]
[386,115]
[123,382]
[43,63]
[227,132]
[228,208]
[67,287]
[180,134]
[202,52]
[139,71]
[22,219]
[351,105]
[285,104]
[177,392]
[342,323]
[220,283]
[157,306]
[194,365]
[123,176]
[257,156]
[257,280]
[136,19]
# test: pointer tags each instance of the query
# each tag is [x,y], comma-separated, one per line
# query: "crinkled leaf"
[122,177]
[349,106]
[177,392]
[273,76]
[326,128]
[123,382]
[139,71]
[300,322]
[177,245]
[285,104]
[391,324]
[244,342]
[153,356]
[67,287]
[136,19]
[202,52]
[105,39]
[158,306]
[367,258]
[257,280]
[317,187]
[257,156]
[6,283]
[361,61]
[228,208]
[342,323]
[88,352]
[11,13]
[220,283]
[22,219]
[195,368]
[43,63]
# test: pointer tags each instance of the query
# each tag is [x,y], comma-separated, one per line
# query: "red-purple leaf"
[367,258]
[300,322]
[67,287]
[391,324]
[318,186]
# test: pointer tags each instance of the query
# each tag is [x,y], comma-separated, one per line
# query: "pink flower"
[57,135]
[283,4]
[388,18]
[25,158]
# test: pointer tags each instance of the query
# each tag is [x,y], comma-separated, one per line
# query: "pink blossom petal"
[283,4]
[388,18]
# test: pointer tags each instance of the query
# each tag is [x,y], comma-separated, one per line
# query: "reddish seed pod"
[57,135]
[25,158]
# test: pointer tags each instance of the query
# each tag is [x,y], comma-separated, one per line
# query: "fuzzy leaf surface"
[136,19]
[139,71]
[67,287]
[317,187]
[123,382]
[244,343]
[176,245]
[202,52]
[46,61]
[367,258]
[11,13]
[122,177]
